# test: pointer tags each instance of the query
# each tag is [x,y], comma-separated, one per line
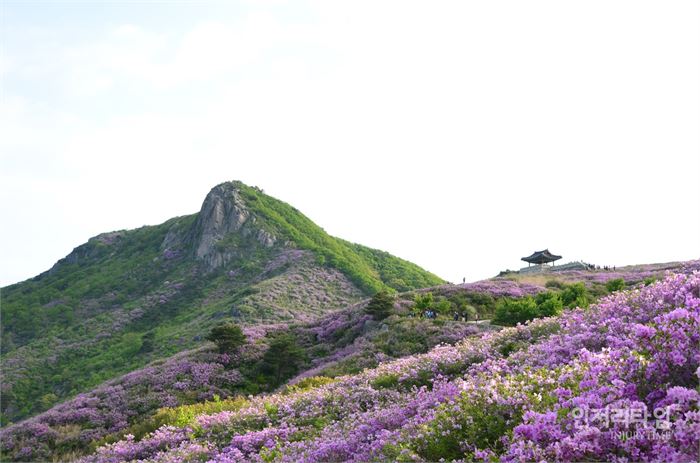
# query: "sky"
[459,135]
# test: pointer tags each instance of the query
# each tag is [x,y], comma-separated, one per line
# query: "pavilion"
[541,258]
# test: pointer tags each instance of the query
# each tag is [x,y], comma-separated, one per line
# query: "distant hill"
[128,297]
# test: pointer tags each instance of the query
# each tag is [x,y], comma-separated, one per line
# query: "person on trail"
[456,316]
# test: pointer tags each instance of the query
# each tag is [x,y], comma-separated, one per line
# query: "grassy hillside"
[129,297]
[372,270]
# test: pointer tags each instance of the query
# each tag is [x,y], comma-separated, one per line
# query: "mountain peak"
[224,212]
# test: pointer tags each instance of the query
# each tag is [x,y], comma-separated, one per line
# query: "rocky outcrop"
[224,212]
[87,251]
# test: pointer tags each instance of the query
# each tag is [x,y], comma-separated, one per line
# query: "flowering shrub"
[498,287]
[534,392]
[73,425]
[632,275]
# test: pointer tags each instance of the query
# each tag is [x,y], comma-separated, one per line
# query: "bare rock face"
[224,212]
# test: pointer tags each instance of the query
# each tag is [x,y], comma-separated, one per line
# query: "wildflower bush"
[636,351]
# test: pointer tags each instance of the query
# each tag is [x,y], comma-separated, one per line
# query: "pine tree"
[283,358]
[227,336]
[381,305]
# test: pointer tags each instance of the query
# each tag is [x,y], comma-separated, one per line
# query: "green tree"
[443,306]
[228,337]
[423,301]
[282,359]
[381,305]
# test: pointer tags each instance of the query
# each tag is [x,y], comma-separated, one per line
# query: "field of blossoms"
[631,274]
[337,343]
[616,381]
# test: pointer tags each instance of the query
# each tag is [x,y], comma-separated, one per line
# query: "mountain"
[128,297]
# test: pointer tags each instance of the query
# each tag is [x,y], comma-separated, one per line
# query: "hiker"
[456,316]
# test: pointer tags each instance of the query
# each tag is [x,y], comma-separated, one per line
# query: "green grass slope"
[371,269]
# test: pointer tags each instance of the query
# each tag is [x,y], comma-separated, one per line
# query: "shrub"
[548,304]
[385,381]
[616,284]
[176,416]
[311,382]
[484,304]
[228,337]
[443,306]
[47,400]
[575,295]
[554,284]
[510,312]
[481,424]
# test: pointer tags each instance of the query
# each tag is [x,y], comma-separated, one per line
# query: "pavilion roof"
[541,257]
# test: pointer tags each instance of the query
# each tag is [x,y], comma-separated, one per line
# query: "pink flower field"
[616,381]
